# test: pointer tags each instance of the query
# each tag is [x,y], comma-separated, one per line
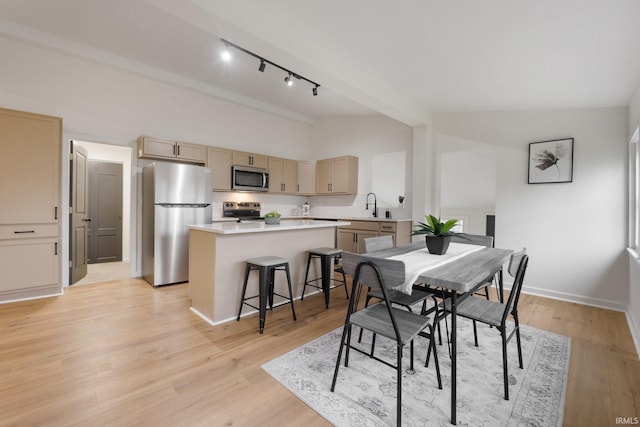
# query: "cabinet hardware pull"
[178,150]
[24,232]
[55,212]
[174,150]
[55,248]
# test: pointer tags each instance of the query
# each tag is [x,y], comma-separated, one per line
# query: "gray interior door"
[105,211]
[78,214]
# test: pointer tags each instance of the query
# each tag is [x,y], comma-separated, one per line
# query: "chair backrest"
[378,243]
[473,239]
[514,262]
[391,271]
[511,305]
[376,273]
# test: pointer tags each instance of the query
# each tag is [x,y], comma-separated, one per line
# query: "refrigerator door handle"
[184,205]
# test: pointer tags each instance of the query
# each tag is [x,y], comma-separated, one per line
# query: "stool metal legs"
[326,262]
[266,290]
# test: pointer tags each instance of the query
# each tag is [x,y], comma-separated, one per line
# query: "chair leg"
[346,357]
[306,277]
[432,346]
[426,362]
[475,333]
[293,310]
[411,354]
[366,304]
[518,342]
[505,368]
[399,396]
[244,290]
[343,341]
[373,343]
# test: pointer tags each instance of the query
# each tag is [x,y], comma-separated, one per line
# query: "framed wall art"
[551,161]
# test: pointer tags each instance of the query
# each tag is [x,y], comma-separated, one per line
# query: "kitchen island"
[218,251]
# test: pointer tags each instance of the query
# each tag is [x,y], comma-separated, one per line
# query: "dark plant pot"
[437,245]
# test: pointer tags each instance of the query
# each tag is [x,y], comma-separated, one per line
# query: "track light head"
[288,80]
[226,53]
[262,66]
[315,90]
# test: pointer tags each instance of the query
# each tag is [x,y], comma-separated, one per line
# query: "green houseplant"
[437,233]
[272,217]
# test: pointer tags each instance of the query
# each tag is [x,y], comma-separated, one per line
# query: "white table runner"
[417,262]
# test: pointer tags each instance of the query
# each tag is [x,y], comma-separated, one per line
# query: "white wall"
[575,232]
[362,136]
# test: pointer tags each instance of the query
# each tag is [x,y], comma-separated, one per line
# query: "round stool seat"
[267,261]
[325,251]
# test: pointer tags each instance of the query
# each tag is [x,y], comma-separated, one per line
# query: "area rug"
[365,392]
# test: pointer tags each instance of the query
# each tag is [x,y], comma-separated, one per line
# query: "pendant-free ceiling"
[226,56]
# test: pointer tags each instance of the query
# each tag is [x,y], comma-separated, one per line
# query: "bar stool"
[326,255]
[267,266]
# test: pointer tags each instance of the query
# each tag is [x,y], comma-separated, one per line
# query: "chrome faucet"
[375,204]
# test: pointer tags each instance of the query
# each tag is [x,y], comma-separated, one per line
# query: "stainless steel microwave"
[249,179]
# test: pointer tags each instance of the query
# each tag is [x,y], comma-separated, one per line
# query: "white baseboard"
[593,302]
[579,299]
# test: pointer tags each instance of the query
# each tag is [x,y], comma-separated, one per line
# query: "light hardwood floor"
[126,354]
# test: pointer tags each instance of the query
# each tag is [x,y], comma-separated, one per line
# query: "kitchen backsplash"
[321,206]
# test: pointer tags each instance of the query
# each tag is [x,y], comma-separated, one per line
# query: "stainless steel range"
[244,211]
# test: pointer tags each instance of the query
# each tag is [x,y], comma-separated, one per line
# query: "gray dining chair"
[419,293]
[480,240]
[496,314]
[396,324]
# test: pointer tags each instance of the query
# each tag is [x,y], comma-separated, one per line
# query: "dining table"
[460,272]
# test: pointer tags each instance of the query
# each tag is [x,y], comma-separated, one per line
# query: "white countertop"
[259,226]
[354,218]
[383,219]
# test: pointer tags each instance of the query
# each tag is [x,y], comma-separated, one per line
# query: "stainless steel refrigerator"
[174,196]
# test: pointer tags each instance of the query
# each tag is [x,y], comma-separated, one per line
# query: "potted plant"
[272,217]
[437,233]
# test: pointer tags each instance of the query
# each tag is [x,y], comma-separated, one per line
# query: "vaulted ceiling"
[404,59]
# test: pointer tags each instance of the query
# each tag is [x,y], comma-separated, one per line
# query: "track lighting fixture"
[226,55]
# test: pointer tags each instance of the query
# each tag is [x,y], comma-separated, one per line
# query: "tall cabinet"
[30,232]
